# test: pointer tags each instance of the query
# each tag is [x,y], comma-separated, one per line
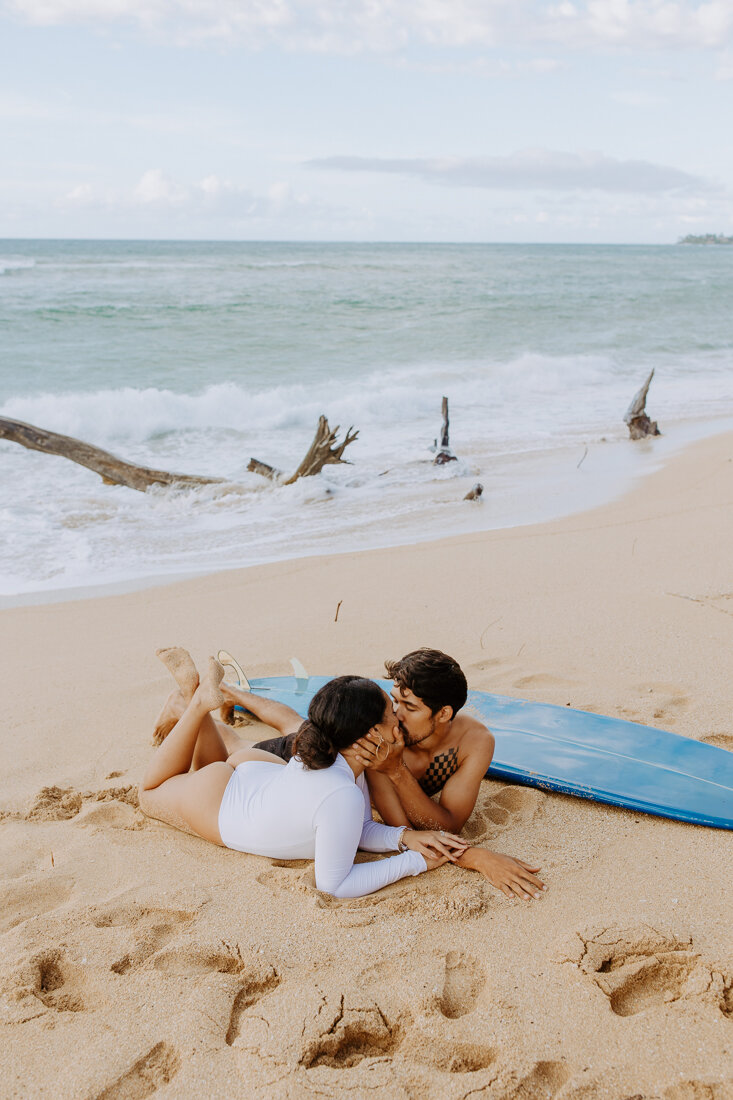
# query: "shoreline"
[615,467]
[213,973]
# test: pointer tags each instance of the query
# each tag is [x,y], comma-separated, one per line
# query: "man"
[436,750]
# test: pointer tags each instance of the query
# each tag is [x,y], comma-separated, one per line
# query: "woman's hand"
[435,861]
[379,754]
[432,845]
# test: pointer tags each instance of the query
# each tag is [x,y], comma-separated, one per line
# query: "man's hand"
[514,877]
[379,755]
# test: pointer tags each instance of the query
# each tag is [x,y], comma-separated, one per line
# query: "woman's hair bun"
[340,712]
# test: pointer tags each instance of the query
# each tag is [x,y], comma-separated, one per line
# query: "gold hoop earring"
[379,745]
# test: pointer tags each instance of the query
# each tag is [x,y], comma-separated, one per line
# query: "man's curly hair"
[432,676]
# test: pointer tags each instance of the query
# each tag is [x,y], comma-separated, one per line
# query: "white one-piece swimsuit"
[293,812]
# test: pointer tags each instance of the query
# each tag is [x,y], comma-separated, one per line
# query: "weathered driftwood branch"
[256,467]
[112,470]
[323,451]
[639,423]
[445,454]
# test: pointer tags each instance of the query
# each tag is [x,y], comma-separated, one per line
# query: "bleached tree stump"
[323,451]
[639,424]
[445,454]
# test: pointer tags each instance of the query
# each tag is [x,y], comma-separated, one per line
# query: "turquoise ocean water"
[196,356]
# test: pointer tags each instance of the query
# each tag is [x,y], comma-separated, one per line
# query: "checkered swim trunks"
[440,770]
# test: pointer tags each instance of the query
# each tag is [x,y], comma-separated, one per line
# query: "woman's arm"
[374,836]
[339,823]
[386,838]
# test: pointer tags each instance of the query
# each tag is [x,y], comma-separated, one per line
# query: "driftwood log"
[116,471]
[323,451]
[445,454]
[638,422]
[112,470]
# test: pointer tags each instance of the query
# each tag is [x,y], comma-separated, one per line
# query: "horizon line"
[319,241]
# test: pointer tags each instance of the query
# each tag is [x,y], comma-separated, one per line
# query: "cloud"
[211,197]
[529,170]
[642,23]
[349,26]
[318,25]
[155,187]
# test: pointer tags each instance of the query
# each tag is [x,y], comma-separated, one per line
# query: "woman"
[314,807]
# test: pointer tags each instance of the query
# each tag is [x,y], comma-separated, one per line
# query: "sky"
[578,121]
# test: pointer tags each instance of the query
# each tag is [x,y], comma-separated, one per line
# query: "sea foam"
[195,358]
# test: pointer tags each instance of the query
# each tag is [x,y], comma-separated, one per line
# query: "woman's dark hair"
[340,712]
[432,676]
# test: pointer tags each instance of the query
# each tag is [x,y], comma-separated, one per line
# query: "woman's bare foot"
[173,708]
[208,693]
[179,663]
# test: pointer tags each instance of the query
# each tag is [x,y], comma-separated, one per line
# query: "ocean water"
[195,356]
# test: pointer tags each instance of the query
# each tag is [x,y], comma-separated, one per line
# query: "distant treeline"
[705,238]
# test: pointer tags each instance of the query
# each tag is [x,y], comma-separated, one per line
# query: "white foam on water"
[195,359]
[72,531]
[11,264]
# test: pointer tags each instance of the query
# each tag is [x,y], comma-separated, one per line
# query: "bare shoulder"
[474,738]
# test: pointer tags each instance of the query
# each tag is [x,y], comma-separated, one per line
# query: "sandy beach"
[135,959]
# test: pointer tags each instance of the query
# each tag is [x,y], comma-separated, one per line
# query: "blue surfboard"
[588,755]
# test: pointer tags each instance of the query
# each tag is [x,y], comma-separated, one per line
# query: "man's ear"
[445,714]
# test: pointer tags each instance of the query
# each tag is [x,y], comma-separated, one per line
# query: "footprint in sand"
[544,1080]
[357,1032]
[47,979]
[720,740]
[450,1056]
[495,813]
[669,700]
[139,916]
[700,1090]
[196,960]
[641,969]
[153,928]
[260,980]
[146,1076]
[30,897]
[462,982]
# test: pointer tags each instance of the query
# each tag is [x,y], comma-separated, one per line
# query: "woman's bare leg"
[179,663]
[168,791]
[211,745]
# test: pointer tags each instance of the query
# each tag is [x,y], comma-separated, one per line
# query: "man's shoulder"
[472,735]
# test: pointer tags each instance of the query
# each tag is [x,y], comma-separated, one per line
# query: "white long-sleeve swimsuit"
[291,812]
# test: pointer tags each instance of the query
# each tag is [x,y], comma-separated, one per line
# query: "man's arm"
[513,877]
[281,717]
[385,801]
[459,794]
